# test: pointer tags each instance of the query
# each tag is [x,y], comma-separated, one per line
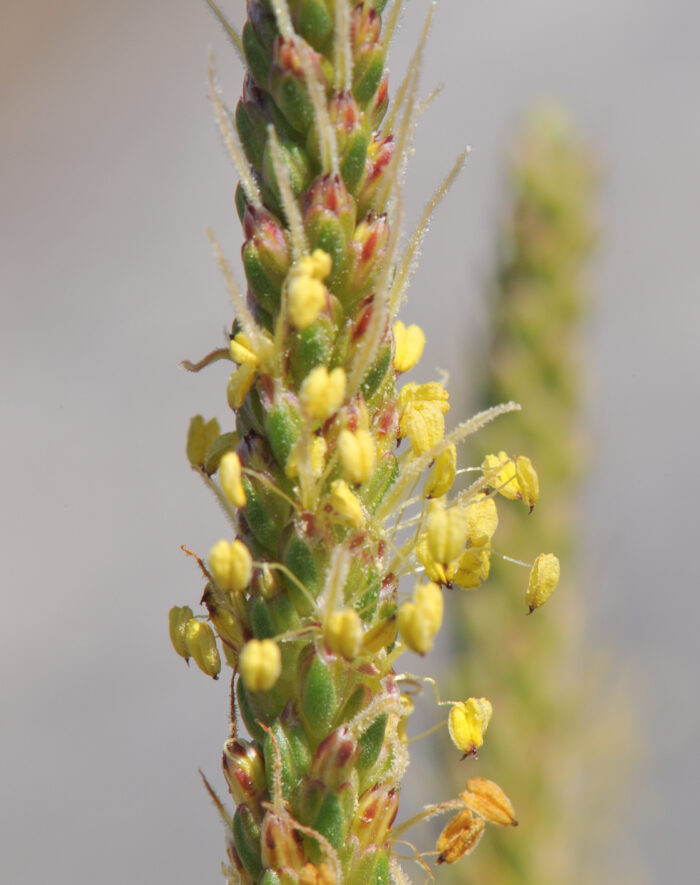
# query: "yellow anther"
[318,447]
[242,350]
[460,837]
[501,474]
[317,875]
[228,628]
[443,473]
[358,454]
[260,664]
[527,480]
[415,628]
[201,644]
[421,619]
[424,425]
[482,519]
[472,568]
[447,533]
[322,392]
[544,578]
[317,455]
[432,392]
[488,800]
[230,479]
[409,343]
[241,566]
[307,298]
[346,505]
[434,570]
[407,707]
[319,264]
[467,723]
[343,633]
[428,597]
[231,565]
[200,436]
[239,385]
[179,618]
[380,636]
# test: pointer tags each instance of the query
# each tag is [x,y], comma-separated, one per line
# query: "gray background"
[110,169]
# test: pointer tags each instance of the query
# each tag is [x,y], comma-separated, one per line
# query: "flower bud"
[346,505]
[200,436]
[352,134]
[280,846]
[201,645]
[334,759]
[467,723]
[256,55]
[408,346]
[322,392]
[378,164]
[246,837]
[376,811]
[460,837]
[295,162]
[252,127]
[367,251]
[312,20]
[368,53]
[230,479]
[329,220]
[343,633]
[288,82]
[443,473]
[317,694]
[357,455]
[260,664]
[283,424]
[266,256]
[179,618]
[544,578]
[244,770]
[488,800]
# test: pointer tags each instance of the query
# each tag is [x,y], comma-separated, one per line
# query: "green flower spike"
[325,515]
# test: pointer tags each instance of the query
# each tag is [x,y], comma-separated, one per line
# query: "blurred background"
[110,169]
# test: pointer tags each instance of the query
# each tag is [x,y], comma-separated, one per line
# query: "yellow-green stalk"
[539,296]
[320,465]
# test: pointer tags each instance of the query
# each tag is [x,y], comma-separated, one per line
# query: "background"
[110,169]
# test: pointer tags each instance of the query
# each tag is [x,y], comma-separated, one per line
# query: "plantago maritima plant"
[302,596]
